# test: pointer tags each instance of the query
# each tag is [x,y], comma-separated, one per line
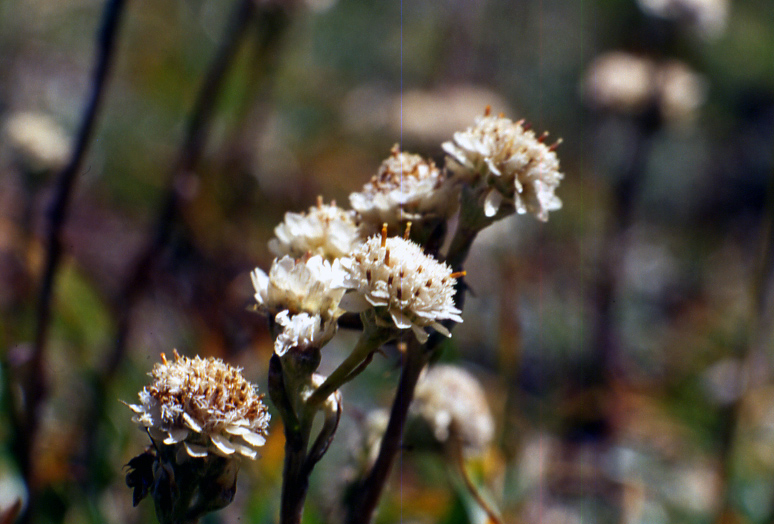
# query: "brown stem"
[57,213]
[370,490]
[455,448]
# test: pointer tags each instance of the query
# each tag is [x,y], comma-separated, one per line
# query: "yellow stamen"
[458,274]
[487,110]
[384,234]
[408,231]
[319,201]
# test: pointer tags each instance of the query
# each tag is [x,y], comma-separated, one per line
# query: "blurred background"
[625,345]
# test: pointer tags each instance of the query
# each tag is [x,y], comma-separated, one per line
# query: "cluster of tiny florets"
[307,285]
[453,404]
[326,230]
[512,165]
[205,405]
[396,277]
[407,187]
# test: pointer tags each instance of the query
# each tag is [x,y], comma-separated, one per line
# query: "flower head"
[451,403]
[325,230]
[205,405]
[509,163]
[408,288]
[302,331]
[37,140]
[310,285]
[406,187]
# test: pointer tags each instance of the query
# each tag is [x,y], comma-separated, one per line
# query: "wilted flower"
[451,403]
[406,188]
[325,230]
[205,405]
[509,163]
[309,285]
[408,288]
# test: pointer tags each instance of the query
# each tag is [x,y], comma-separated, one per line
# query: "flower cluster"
[205,405]
[509,164]
[394,276]
[406,188]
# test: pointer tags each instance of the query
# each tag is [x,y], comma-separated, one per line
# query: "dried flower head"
[309,285]
[408,288]
[452,403]
[509,163]
[406,188]
[203,404]
[325,230]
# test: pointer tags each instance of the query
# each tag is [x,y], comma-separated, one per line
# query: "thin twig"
[458,458]
[57,214]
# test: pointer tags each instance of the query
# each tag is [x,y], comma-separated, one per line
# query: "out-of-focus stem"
[455,449]
[57,213]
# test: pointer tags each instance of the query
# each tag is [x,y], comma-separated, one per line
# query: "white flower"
[310,285]
[325,230]
[411,289]
[511,163]
[301,331]
[406,187]
[205,405]
[708,17]
[452,403]
[37,140]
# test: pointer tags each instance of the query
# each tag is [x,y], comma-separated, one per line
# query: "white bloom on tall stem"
[509,163]
[310,285]
[205,405]
[325,230]
[406,188]
[407,288]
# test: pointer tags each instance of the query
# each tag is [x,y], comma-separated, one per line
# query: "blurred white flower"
[406,188]
[37,140]
[309,285]
[302,331]
[510,163]
[451,402]
[410,289]
[325,230]
[629,84]
[205,405]
[709,17]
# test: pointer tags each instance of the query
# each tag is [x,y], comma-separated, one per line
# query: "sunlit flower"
[406,187]
[205,405]
[325,230]
[510,163]
[451,403]
[301,331]
[408,288]
[309,285]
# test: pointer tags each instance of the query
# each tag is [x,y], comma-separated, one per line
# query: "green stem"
[371,340]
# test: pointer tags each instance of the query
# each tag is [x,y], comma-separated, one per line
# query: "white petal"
[401,320]
[223,444]
[191,423]
[195,450]
[176,435]
[246,451]
[254,439]
[492,203]
[441,329]
[420,333]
